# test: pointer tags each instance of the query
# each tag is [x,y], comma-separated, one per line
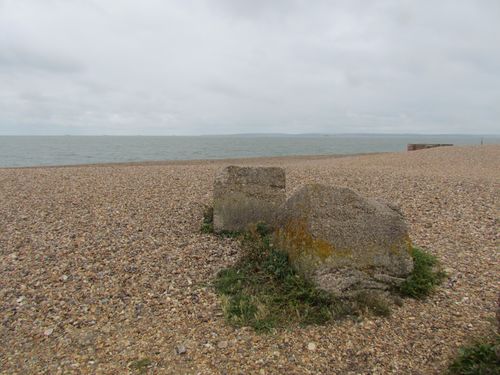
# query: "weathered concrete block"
[246,195]
[343,242]
[423,146]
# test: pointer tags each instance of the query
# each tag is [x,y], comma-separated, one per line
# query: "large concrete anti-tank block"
[247,195]
[344,242]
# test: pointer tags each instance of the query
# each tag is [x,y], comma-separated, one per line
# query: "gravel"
[101,266]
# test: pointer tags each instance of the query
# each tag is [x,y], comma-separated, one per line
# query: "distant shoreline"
[150,163]
[264,135]
[65,151]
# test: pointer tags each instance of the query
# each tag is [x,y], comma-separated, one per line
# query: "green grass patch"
[207,226]
[477,359]
[270,294]
[425,277]
[265,292]
[141,365]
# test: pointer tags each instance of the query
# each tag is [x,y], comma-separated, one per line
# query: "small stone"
[222,344]
[311,346]
[86,338]
[138,310]
[48,331]
[180,350]
[449,271]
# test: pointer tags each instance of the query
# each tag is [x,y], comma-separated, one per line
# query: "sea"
[28,151]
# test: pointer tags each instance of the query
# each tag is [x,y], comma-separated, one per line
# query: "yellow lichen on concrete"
[307,252]
[409,244]
[297,240]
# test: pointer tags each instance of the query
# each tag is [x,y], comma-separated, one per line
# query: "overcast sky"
[249,66]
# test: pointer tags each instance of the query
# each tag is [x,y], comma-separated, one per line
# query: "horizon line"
[248,134]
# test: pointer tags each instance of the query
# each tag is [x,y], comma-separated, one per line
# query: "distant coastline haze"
[25,151]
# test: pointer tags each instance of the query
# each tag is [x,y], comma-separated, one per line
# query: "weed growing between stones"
[425,277]
[141,365]
[265,292]
[207,226]
[479,358]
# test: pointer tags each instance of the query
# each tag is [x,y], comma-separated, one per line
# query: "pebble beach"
[104,269]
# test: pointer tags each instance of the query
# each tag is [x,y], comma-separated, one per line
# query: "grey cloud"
[230,66]
[257,8]
[19,59]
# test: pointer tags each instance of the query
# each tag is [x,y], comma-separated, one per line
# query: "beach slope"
[103,269]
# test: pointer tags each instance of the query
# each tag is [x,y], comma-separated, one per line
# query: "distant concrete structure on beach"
[422,146]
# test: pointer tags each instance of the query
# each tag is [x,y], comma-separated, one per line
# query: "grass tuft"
[207,226]
[141,365]
[270,294]
[425,277]
[479,358]
[265,292]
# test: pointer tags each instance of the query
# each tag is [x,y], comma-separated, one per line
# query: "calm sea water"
[19,151]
